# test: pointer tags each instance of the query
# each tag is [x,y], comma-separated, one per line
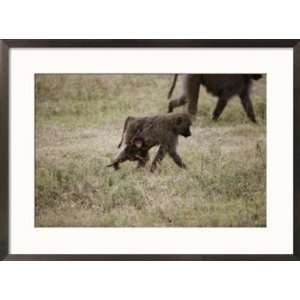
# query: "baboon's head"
[137,143]
[183,125]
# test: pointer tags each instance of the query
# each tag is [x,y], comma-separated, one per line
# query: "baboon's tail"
[172,86]
[124,129]
[255,76]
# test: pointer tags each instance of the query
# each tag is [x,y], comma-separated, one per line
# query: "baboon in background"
[141,134]
[224,86]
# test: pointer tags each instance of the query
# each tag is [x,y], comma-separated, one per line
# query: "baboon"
[135,150]
[224,86]
[141,134]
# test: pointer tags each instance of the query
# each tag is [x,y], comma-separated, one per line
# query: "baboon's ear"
[138,142]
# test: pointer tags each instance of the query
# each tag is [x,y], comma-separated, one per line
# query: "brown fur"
[224,86]
[141,134]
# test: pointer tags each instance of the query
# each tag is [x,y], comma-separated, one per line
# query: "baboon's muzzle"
[187,133]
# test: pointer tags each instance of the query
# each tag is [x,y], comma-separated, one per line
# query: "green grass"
[79,120]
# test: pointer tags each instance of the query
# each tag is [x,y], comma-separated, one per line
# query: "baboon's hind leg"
[115,165]
[122,156]
[248,107]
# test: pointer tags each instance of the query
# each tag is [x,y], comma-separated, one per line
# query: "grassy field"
[79,120]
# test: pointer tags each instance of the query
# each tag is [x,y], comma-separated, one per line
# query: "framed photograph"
[149,149]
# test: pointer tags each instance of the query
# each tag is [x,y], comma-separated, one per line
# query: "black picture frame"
[6,45]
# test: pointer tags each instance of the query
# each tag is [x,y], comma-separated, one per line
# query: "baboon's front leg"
[115,165]
[158,158]
[192,87]
[248,107]
[177,159]
[122,156]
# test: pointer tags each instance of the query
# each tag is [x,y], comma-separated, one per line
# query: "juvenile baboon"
[224,86]
[141,134]
[135,150]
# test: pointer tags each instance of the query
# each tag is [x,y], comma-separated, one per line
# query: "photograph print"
[150,150]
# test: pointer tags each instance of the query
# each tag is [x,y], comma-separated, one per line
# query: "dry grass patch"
[79,124]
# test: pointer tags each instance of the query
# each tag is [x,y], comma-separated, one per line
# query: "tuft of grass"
[79,120]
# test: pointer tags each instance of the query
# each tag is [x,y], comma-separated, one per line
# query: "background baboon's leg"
[177,102]
[192,88]
[158,158]
[248,107]
[177,159]
[222,102]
